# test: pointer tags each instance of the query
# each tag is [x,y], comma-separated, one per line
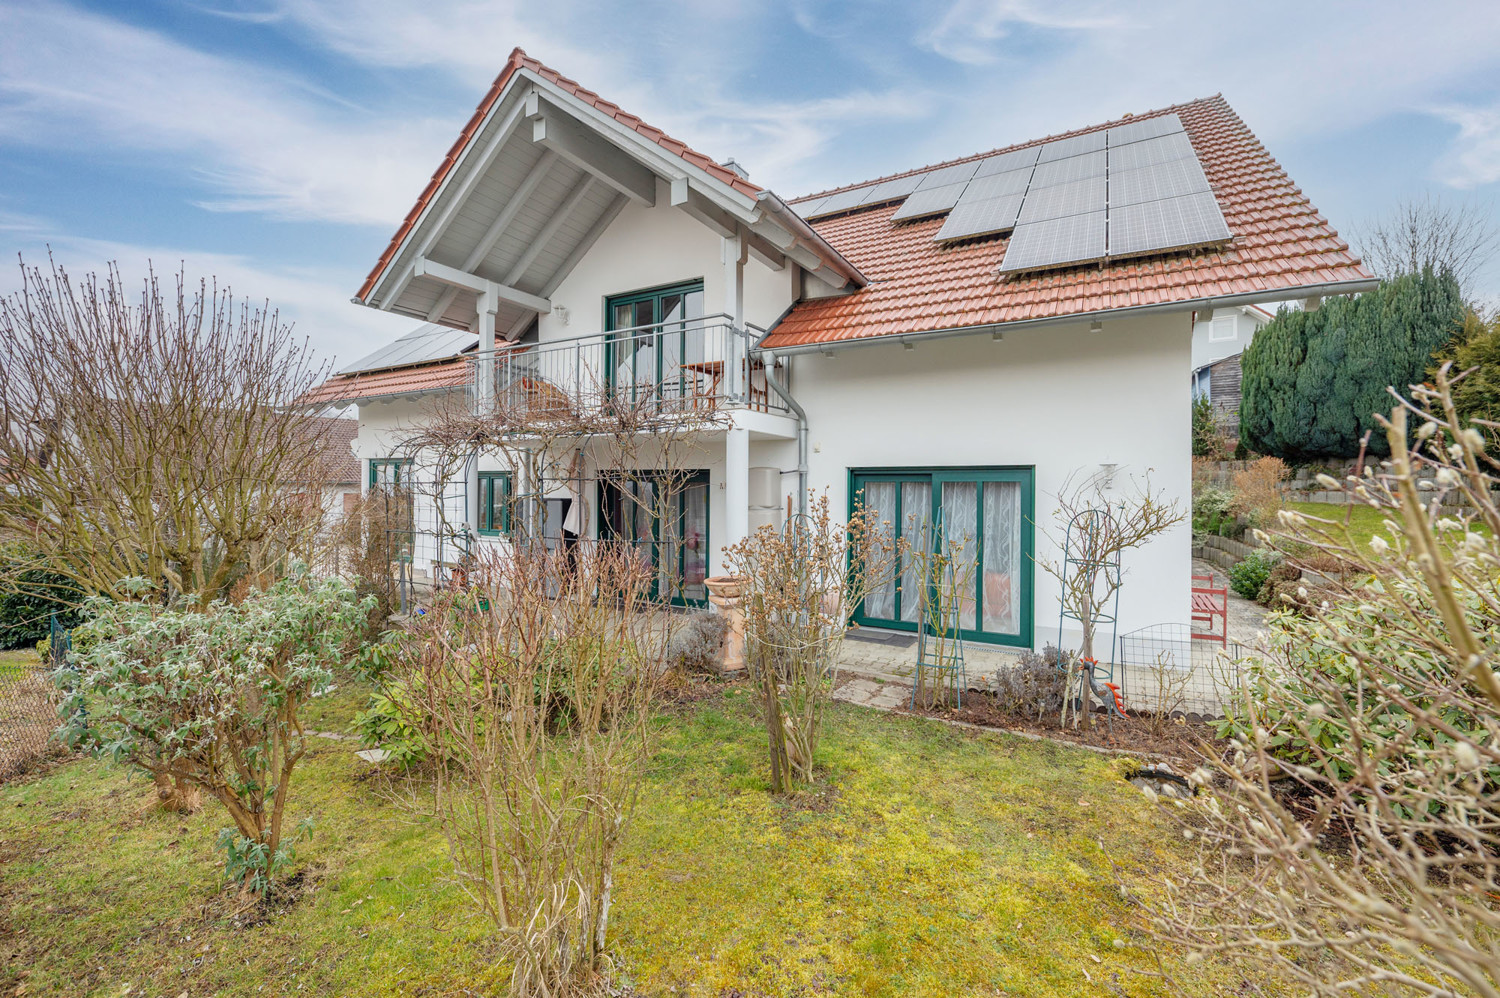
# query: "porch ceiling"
[532,182]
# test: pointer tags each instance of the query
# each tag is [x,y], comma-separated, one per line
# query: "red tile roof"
[397,381]
[916,285]
[520,60]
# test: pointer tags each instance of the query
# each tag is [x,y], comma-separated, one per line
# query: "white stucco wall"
[1059,399]
[1206,349]
[651,247]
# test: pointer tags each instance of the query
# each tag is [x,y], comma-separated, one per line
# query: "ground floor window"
[494,503]
[666,519]
[390,472]
[990,511]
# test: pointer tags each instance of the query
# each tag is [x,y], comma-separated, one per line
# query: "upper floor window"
[390,473]
[1222,328]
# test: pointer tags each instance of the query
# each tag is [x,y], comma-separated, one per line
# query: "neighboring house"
[963,339]
[1220,336]
[341,472]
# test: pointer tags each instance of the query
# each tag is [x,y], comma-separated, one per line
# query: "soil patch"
[1180,738]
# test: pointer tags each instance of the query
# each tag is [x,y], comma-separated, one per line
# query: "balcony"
[682,370]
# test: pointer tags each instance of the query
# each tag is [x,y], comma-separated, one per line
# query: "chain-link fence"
[29,700]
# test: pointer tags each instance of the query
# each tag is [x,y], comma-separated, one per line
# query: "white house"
[960,339]
[1220,336]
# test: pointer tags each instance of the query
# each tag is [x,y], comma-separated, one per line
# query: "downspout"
[801,414]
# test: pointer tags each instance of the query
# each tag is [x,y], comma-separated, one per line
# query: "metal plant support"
[940,646]
[1081,561]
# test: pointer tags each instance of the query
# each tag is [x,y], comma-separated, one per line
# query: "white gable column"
[734,253]
[736,485]
[484,392]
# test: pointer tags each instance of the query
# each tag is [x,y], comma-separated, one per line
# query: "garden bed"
[1180,738]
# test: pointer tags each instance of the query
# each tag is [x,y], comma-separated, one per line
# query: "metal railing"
[686,366]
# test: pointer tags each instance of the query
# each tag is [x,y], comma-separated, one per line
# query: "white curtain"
[961,526]
[1001,579]
[880,499]
[916,506]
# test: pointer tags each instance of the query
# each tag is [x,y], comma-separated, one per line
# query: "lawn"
[932,861]
[1364,521]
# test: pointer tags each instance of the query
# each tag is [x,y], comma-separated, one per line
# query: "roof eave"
[1185,305]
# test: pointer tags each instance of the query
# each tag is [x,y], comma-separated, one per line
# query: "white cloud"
[1474,158]
[255,140]
[314,300]
[969,30]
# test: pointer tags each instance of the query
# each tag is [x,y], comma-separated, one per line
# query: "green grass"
[1364,521]
[14,663]
[931,861]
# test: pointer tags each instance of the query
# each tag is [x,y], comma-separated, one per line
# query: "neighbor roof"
[520,60]
[446,374]
[1278,242]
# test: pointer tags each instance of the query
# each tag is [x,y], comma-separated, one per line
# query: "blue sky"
[277,144]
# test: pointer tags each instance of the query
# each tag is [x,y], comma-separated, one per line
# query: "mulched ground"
[1178,738]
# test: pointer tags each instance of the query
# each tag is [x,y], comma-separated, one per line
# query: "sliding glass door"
[988,513]
[666,522]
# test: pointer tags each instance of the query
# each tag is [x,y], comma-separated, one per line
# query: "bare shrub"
[1167,686]
[1258,490]
[697,644]
[800,584]
[1104,525]
[539,706]
[1034,686]
[944,569]
[1373,726]
[163,423]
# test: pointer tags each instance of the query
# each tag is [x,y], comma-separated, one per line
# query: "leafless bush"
[944,571]
[539,702]
[1034,686]
[154,436]
[799,585]
[1258,490]
[697,644]
[1096,526]
[1167,688]
[1370,729]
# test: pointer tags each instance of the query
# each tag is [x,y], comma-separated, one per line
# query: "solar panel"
[425,343]
[1075,146]
[1171,223]
[843,201]
[1148,128]
[808,209]
[1149,152]
[980,218]
[890,190]
[1174,178]
[932,201]
[1057,241]
[946,175]
[1065,171]
[1064,199]
[1016,159]
[996,184]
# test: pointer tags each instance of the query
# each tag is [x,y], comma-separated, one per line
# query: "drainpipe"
[801,414]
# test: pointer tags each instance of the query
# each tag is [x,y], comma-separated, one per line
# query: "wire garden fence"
[29,700]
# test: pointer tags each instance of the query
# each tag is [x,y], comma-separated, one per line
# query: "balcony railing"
[687,367]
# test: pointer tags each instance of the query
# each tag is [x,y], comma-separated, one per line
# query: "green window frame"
[934,479]
[494,503]
[666,550]
[679,341]
[399,468]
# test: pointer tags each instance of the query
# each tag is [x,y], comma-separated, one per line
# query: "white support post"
[734,252]
[484,370]
[736,485]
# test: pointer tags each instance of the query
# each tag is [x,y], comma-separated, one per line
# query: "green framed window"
[989,511]
[390,472]
[667,523]
[494,503]
[655,344]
